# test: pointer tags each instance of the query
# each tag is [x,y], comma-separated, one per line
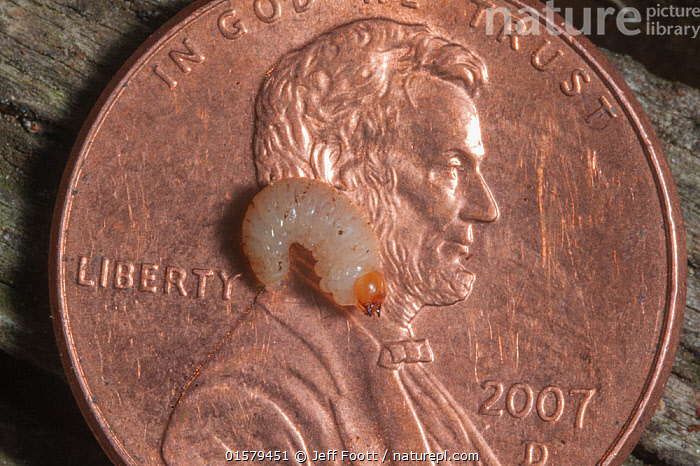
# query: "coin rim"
[641,414]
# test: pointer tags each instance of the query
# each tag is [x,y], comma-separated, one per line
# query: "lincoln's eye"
[370,291]
[455,165]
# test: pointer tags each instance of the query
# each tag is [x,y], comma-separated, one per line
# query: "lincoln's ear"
[324,160]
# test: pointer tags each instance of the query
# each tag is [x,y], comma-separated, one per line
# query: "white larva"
[324,221]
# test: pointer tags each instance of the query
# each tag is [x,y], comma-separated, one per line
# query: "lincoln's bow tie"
[395,353]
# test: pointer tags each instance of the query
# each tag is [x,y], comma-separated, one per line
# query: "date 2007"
[520,399]
[256,456]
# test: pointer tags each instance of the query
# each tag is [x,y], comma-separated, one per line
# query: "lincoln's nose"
[479,204]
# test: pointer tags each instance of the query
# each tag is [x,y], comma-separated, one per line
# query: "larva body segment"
[324,221]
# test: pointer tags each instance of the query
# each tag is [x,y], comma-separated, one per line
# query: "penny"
[530,238]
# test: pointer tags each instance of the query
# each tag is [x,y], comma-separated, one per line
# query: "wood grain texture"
[56,56]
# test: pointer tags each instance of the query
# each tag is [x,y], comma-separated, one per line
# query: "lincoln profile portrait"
[384,112]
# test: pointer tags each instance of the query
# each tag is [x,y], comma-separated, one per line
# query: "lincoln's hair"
[331,110]
[322,107]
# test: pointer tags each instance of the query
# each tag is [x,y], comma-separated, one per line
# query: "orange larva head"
[370,291]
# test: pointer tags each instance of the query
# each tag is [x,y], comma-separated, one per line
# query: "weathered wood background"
[56,56]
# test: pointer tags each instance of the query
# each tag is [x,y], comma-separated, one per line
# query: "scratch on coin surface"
[226,447]
[128,203]
[571,196]
[246,415]
[476,361]
[488,319]
[469,342]
[266,347]
[500,347]
[99,352]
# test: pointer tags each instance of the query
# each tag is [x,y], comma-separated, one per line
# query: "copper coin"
[530,235]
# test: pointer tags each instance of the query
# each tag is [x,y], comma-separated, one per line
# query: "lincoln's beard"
[422,276]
